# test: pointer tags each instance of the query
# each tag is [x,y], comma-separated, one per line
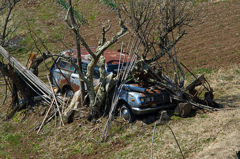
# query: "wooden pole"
[56,102]
[45,117]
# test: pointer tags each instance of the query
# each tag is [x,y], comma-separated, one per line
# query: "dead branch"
[45,117]
[53,94]
[7,30]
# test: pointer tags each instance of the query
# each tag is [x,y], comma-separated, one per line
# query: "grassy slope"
[210,135]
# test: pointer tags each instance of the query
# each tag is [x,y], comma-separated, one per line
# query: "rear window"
[114,68]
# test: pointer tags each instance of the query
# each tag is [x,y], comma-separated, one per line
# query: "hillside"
[212,46]
[214,42]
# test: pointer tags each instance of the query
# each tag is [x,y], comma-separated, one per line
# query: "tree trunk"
[19,85]
[79,60]
[93,112]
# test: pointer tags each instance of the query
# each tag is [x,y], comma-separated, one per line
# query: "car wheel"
[126,113]
[69,93]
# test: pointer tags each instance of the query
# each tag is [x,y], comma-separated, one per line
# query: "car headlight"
[145,99]
[142,100]
[148,99]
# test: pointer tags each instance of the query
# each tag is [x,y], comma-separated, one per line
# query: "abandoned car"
[133,100]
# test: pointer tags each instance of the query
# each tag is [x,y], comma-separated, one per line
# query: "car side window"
[84,68]
[65,65]
[96,73]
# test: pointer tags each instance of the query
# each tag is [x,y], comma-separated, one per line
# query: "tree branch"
[75,28]
[115,38]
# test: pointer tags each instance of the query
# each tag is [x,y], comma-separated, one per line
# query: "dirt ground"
[214,43]
[211,45]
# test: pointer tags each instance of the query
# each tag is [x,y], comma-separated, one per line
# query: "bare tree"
[156,23]
[7,27]
[96,58]
[75,28]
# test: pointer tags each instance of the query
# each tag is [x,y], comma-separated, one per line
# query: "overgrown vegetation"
[196,135]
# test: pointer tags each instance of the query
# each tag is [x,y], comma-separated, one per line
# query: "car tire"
[69,93]
[126,113]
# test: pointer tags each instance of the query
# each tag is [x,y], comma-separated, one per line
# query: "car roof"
[111,57]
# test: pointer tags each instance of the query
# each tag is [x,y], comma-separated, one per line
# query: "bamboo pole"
[45,117]
[56,102]
[28,75]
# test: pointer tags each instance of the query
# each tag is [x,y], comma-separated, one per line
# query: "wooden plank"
[28,75]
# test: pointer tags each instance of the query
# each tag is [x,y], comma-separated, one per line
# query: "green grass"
[110,3]
[200,71]
[13,139]
[176,118]
[203,116]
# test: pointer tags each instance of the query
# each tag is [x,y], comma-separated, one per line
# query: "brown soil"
[215,43]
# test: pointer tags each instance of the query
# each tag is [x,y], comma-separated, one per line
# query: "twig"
[55,114]
[56,101]
[45,116]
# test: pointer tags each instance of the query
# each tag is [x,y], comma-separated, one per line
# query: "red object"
[111,57]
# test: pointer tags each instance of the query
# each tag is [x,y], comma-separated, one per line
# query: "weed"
[15,118]
[203,116]
[176,118]
[229,78]
[92,17]
[207,140]
[237,71]
[110,3]
[2,115]
[79,17]
[201,71]
[13,139]
[7,127]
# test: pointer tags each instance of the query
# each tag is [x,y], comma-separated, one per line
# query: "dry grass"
[210,135]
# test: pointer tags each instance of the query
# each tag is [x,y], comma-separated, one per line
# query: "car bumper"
[140,111]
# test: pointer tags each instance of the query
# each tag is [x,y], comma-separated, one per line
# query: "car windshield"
[114,67]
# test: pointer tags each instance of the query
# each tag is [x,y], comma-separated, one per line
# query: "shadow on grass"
[229,100]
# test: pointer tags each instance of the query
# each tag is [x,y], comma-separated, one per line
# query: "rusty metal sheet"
[111,57]
[148,87]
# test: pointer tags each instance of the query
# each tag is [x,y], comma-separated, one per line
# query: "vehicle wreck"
[140,94]
[134,99]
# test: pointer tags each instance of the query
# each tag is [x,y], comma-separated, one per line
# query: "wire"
[153,139]
[176,140]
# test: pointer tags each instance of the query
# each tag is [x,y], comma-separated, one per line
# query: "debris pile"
[134,80]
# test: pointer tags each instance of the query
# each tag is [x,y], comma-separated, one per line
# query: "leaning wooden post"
[56,101]
[45,117]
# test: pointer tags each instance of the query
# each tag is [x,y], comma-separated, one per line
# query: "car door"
[74,80]
[62,73]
